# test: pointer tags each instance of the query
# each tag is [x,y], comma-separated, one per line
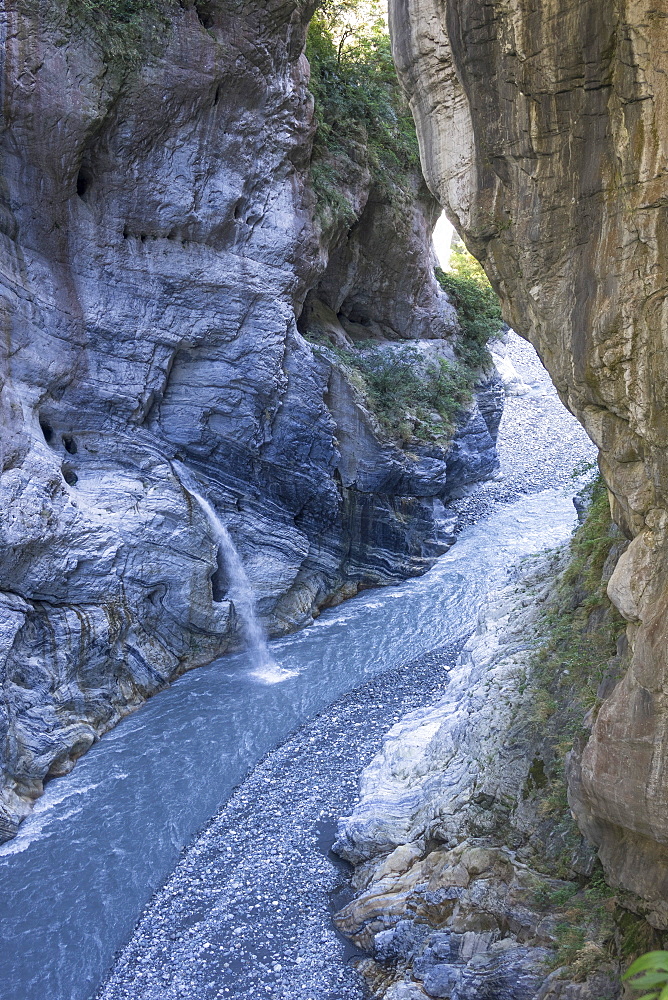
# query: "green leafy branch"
[650,971]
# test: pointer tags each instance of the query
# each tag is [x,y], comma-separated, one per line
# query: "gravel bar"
[247,912]
[540,442]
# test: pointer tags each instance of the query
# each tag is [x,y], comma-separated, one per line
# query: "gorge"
[236,393]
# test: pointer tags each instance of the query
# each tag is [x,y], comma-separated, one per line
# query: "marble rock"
[544,133]
[159,238]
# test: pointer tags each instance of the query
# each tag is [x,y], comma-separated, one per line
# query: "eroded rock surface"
[543,133]
[159,237]
[454,830]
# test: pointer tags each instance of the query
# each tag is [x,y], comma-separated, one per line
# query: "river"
[102,839]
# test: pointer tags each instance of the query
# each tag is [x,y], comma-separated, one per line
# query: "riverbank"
[470,873]
[247,912]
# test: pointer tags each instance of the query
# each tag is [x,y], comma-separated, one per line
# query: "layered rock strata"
[160,235]
[451,835]
[543,133]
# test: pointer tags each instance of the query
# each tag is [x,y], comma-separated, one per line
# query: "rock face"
[159,238]
[451,834]
[543,133]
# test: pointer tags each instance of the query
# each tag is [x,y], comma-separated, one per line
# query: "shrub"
[411,397]
[476,302]
[358,101]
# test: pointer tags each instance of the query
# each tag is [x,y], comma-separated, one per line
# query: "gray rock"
[159,239]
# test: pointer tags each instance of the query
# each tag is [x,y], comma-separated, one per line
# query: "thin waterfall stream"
[102,839]
[240,593]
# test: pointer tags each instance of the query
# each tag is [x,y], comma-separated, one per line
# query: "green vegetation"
[358,104]
[650,972]
[412,398]
[419,400]
[124,28]
[476,302]
[585,929]
[115,11]
[582,629]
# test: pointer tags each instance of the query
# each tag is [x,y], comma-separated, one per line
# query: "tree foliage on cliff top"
[358,100]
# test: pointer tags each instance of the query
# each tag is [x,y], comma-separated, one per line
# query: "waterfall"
[240,591]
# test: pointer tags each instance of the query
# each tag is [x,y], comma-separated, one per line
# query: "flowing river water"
[103,839]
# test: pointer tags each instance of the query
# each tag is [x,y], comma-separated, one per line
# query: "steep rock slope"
[460,816]
[159,235]
[543,132]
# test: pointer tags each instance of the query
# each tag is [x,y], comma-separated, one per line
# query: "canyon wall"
[160,233]
[542,129]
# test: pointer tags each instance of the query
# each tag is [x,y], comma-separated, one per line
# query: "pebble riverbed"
[247,912]
[540,443]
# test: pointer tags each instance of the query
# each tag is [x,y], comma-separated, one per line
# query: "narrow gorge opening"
[300,451]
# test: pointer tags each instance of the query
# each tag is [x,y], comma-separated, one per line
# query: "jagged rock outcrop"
[455,828]
[543,133]
[160,234]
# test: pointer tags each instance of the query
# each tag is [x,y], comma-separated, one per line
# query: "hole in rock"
[239,209]
[356,316]
[83,182]
[126,232]
[70,444]
[204,14]
[47,431]
[216,97]
[143,237]
[219,581]
[69,475]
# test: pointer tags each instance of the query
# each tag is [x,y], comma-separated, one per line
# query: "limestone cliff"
[543,133]
[160,234]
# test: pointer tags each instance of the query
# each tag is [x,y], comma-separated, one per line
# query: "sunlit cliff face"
[543,132]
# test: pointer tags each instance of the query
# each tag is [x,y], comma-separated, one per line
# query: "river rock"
[445,836]
[543,131]
[160,236]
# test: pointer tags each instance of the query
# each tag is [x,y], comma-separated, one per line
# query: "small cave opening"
[69,444]
[46,429]
[69,475]
[203,9]
[216,96]
[83,182]
[219,581]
